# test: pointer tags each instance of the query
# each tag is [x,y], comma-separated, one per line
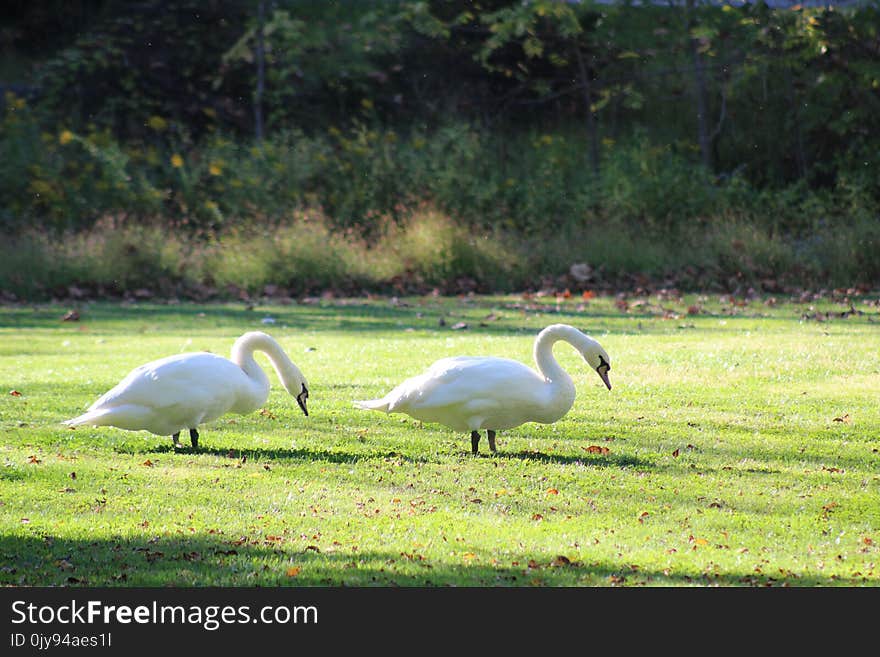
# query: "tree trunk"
[700,90]
[592,128]
[261,72]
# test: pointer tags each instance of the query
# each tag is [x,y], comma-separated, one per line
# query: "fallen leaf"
[561,560]
[34,459]
[537,516]
[588,294]
[597,449]
[675,453]
[15,393]
[148,463]
[552,491]
[701,541]
[643,515]
[842,418]
[293,571]
[70,316]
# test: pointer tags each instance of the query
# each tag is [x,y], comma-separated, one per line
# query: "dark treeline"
[780,94]
[505,114]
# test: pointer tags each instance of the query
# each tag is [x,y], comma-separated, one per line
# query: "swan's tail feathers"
[373,404]
[93,418]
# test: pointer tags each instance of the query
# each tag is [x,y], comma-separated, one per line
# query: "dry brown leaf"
[597,449]
[675,453]
[34,459]
[843,418]
[552,491]
[148,463]
[15,393]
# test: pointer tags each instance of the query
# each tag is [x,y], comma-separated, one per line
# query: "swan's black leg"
[194,438]
[475,441]
[176,439]
[491,436]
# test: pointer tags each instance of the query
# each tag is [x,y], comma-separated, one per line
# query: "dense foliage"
[523,117]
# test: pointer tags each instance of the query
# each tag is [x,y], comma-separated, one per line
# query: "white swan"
[475,393]
[180,392]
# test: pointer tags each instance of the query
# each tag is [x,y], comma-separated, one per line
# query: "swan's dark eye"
[304,394]
[604,363]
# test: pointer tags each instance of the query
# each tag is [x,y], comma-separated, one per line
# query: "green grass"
[743,449]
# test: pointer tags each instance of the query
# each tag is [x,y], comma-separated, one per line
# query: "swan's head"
[302,397]
[599,360]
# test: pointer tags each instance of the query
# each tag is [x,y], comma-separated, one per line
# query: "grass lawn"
[739,446]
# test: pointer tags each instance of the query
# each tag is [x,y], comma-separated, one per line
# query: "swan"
[472,394]
[168,395]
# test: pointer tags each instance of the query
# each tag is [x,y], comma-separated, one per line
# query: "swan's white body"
[472,394]
[181,392]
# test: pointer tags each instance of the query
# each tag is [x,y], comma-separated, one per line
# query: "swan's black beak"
[602,370]
[301,400]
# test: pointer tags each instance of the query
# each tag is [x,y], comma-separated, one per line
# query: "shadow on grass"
[570,459]
[217,560]
[281,454]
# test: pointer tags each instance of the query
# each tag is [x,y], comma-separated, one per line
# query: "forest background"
[238,148]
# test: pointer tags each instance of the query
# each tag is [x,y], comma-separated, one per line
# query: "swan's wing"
[473,381]
[198,380]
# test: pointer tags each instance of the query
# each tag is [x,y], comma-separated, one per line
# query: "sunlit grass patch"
[739,446]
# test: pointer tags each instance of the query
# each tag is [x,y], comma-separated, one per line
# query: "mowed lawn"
[739,446]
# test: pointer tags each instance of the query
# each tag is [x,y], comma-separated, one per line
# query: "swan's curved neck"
[243,355]
[543,353]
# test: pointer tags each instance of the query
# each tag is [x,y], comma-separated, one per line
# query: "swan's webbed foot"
[491,436]
[194,438]
[475,442]
[176,440]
